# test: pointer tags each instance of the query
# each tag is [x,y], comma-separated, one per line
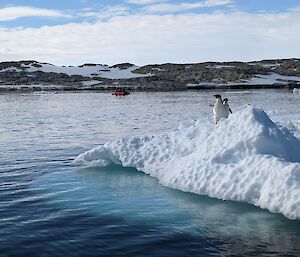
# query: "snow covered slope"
[273,78]
[244,158]
[94,70]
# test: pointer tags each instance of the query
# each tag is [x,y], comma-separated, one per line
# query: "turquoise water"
[51,207]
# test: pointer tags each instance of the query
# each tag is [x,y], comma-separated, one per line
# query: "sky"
[73,32]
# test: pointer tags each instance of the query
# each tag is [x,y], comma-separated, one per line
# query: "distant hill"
[33,75]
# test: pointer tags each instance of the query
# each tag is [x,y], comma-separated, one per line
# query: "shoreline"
[39,88]
[37,76]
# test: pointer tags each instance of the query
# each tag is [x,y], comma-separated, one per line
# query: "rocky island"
[33,75]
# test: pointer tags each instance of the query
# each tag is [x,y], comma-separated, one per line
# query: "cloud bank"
[152,38]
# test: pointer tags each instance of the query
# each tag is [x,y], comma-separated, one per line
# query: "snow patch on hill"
[259,79]
[97,70]
[271,79]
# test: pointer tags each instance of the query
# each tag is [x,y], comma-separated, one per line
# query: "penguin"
[227,108]
[219,109]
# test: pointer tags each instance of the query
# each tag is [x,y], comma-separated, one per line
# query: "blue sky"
[148,31]
[76,9]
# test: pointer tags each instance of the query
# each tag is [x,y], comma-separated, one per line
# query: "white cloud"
[16,12]
[143,39]
[106,13]
[144,1]
[186,6]
[295,9]
[209,3]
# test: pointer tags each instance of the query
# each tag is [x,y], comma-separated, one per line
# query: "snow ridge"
[245,158]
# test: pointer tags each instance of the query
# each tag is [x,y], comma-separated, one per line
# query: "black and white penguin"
[219,110]
[227,108]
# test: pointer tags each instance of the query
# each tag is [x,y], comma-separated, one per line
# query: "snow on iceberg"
[245,158]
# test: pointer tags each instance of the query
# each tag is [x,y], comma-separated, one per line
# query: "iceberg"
[296,90]
[246,157]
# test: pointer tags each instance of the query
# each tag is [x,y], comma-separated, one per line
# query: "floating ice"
[245,158]
[296,90]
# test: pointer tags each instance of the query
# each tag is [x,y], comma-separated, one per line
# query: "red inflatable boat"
[120,92]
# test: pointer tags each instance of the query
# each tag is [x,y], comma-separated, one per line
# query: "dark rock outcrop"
[166,76]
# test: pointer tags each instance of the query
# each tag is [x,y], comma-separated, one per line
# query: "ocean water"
[51,207]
